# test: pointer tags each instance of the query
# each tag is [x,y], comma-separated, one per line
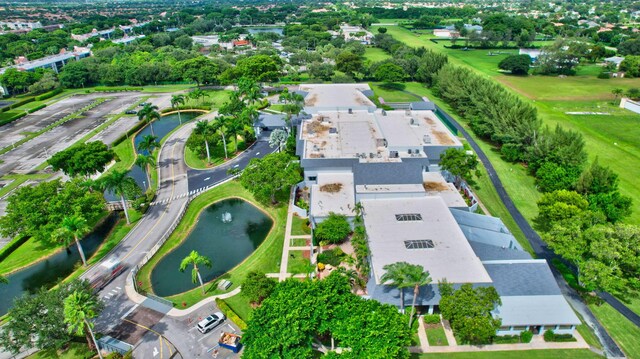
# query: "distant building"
[128,39]
[533,53]
[20,25]
[207,40]
[616,60]
[55,62]
[354,33]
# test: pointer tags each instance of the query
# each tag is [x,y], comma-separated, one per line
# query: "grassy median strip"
[265,258]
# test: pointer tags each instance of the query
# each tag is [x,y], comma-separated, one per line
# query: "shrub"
[526,336]
[48,95]
[39,107]
[333,257]
[116,88]
[506,339]
[550,336]
[114,355]
[230,314]
[431,319]
[334,229]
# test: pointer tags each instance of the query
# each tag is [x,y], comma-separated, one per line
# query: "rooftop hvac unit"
[417,152]
[409,151]
[351,111]
[426,139]
[393,154]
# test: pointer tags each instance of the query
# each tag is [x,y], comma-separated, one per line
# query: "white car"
[211,322]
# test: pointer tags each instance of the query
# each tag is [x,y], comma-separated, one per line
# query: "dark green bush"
[550,336]
[506,339]
[431,319]
[333,257]
[526,336]
[39,107]
[334,229]
[230,314]
[48,95]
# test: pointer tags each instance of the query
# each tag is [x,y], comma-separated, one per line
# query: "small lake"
[50,271]
[161,128]
[226,243]
[257,30]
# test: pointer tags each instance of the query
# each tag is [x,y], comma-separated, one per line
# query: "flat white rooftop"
[435,185]
[390,188]
[333,193]
[336,95]
[404,128]
[420,231]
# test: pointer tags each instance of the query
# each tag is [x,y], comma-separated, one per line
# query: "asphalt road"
[540,248]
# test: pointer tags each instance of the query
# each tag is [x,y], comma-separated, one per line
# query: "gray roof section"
[536,310]
[409,171]
[423,105]
[479,221]
[487,252]
[485,229]
[522,277]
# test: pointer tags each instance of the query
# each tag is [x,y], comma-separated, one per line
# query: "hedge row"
[230,314]
[12,118]
[12,246]
[185,108]
[550,336]
[116,89]
[48,95]
[431,318]
[39,107]
[17,104]
[129,133]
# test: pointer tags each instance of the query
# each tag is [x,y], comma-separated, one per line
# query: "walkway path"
[287,247]
[539,247]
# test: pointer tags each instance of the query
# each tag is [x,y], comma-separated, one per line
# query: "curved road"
[539,247]
[176,181]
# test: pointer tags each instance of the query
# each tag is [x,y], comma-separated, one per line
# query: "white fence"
[630,105]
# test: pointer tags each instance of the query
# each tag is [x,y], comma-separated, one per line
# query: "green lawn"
[300,226]
[265,259]
[392,95]
[625,333]
[436,336]
[375,54]
[521,354]
[297,263]
[241,306]
[216,153]
[76,350]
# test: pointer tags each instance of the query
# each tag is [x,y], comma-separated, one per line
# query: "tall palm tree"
[120,183]
[73,227]
[148,114]
[146,163]
[404,275]
[149,143]
[194,258]
[219,127]
[250,90]
[176,101]
[194,95]
[617,92]
[204,128]
[79,308]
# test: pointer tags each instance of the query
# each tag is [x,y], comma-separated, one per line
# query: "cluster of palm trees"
[145,159]
[405,275]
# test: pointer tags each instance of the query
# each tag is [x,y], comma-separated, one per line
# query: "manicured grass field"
[375,54]
[521,354]
[392,95]
[76,350]
[240,305]
[436,336]
[265,259]
[624,332]
[300,226]
[297,263]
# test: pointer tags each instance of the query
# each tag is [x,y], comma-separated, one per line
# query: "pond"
[227,232]
[256,30]
[50,271]
[161,128]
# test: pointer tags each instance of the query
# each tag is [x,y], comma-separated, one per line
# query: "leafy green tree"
[390,72]
[558,206]
[37,320]
[75,74]
[271,176]
[48,82]
[516,64]
[321,71]
[148,144]
[176,102]
[382,30]
[293,103]
[597,179]
[195,259]
[83,159]
[349,63]
[334,229]
[123,185]
[460,164]
[146,163]
[27,216]
[631,67]
[565,148]
[634,93]
[468,310]
[552,177]
[73,227]
[430,63]
[260,68]
[613,205]
[79,308]
[148,114]
[202,70]
[257,287]
[249,90]
[17,81]
[405,275]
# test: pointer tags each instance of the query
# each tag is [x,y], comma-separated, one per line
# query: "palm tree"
[120,183]
[404,275]
[149,143]
[79,308]
[617,92]
[250,90]
[219,127]
[278,138]
[176,101]
[146,163]
[204,128]
[148,114]
[73,227]
[194,258]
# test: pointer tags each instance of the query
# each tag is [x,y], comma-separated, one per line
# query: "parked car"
[210,322]
[144,103]
[131,112]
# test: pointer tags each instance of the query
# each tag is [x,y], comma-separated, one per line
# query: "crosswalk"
[112,293]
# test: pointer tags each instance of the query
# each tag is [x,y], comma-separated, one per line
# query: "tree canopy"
[84,159]
[334,229]
[270,177]
[460,164]
[516,64]
[257,287]
[297,312]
